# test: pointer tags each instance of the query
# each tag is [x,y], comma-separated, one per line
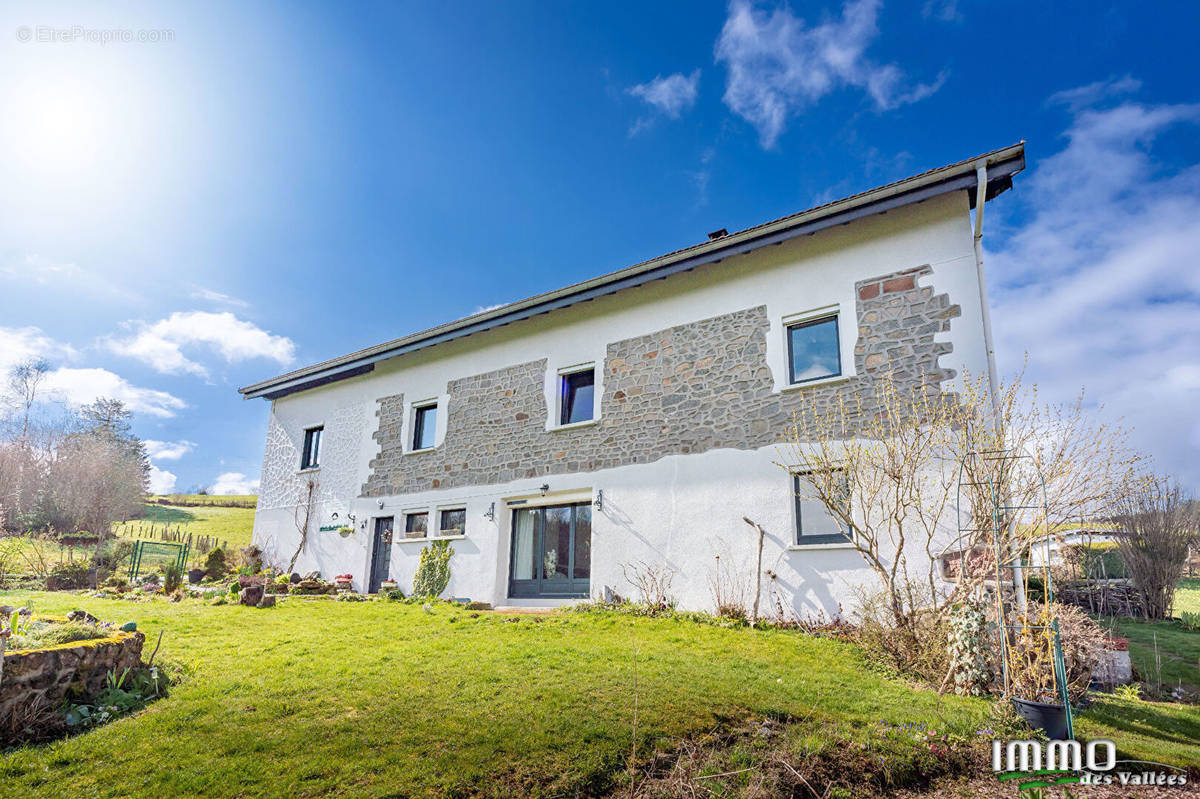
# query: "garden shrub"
[393,595]
[969,639]
[433,572]
[68,575]
[216,563]
[251,560]
[172,578]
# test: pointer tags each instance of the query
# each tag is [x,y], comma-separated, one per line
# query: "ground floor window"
[551,551]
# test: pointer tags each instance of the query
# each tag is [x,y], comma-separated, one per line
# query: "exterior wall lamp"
[490,513]
[545,488]
[598,504]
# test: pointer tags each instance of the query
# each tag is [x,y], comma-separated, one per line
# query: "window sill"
[824,381]
[419,451]
[309,470]
[573,425]
[831,545]
[430,538]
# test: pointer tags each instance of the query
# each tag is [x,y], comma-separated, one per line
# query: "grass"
[316,698]
[234,524]
[1177,662]
[1187,595]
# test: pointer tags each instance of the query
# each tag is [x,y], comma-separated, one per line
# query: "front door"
[551,551]
[381,553]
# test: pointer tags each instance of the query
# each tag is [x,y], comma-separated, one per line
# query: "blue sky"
[240,189]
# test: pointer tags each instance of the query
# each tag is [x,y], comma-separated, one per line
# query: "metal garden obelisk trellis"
[982,476]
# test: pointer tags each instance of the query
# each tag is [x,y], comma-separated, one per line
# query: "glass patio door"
[551,551]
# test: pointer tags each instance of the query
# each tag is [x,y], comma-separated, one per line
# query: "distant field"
[206,500]
[230,523]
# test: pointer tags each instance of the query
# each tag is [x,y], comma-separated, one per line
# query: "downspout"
[990,346]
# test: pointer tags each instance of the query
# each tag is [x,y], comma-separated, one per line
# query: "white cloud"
[80,386]
[777,66]
[39,269]
[18,344]
[1084,96]
[160,345]
[161,481]
[1099,285]
[208,295]
[671,95]
[233,483]
[167,450]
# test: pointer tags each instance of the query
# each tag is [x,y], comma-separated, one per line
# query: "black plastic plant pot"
[1049,718]
[195,575]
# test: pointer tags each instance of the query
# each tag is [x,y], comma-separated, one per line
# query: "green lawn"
[1187,595]
[316,698]
[1163,652]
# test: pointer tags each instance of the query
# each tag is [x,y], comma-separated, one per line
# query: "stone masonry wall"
[691,388]
[49,674]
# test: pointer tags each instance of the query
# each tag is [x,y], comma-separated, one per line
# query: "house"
[633,419]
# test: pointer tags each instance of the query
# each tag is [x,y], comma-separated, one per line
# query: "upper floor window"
[814,523]
[576,396]
[424,426]
[813,351]
[310,456]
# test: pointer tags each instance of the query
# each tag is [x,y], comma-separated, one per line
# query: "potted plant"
[345,531]
[1036,695]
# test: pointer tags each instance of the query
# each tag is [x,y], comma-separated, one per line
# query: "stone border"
[79,667]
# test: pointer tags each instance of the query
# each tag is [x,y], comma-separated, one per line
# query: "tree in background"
[1158,527]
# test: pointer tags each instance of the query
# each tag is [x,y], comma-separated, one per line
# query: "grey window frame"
[441,531]
[412,514]
[837,336]
[846,537]
[310,453]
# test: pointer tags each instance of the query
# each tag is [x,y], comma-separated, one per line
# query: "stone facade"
[78,669]
[687,389]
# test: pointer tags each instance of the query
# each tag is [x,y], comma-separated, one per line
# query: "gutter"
[999,167]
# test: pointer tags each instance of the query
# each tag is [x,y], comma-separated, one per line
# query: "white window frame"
[414,410]
[557,409]
[433,517]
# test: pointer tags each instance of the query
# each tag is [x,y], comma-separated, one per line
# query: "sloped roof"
[1001,165]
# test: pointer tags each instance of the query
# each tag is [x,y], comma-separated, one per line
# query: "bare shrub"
[1031,651]
[653,583]
[1158,528]
[730,589]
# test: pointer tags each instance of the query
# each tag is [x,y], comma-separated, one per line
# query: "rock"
[313,576]
[195,575]
[479,606]
[294,578]
[251,595]
[129,626]
[82,615]
[267,601]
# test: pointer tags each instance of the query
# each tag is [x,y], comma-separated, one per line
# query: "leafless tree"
[1158,525]
[889,463]
[24,380]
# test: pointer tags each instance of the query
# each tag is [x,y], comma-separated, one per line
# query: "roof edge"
[1001,164]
